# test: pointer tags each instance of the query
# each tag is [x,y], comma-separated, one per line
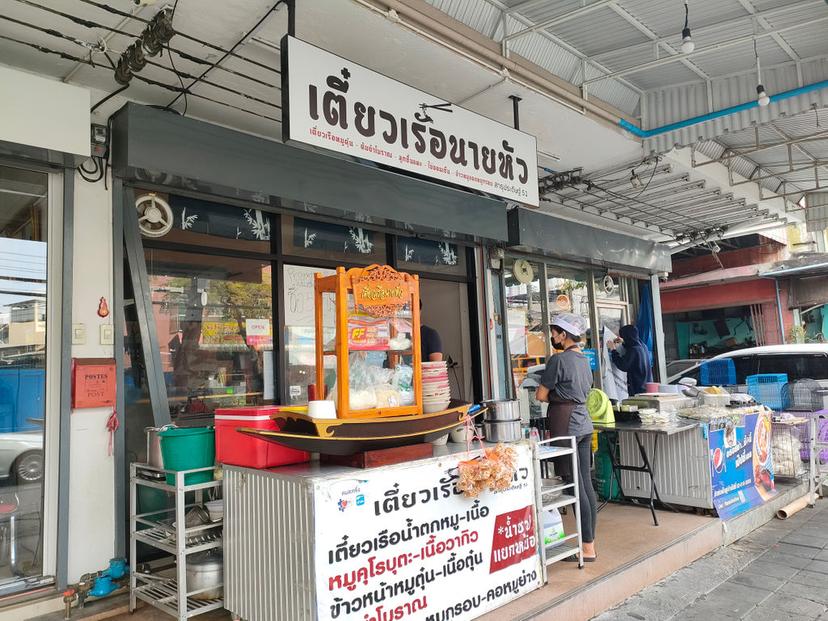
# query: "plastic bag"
[493,471]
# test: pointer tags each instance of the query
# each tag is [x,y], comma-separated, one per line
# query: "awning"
[533,231]
[156,146]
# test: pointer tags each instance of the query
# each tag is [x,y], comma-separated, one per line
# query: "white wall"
[92,474]
[42,112]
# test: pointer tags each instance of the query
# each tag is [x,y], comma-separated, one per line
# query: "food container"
[239,449]
[502,431]
[205,571]
[216,509]
[502,410]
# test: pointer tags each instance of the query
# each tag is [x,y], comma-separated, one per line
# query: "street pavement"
[777,573]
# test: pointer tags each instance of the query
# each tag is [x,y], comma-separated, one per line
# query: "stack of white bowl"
[436,389]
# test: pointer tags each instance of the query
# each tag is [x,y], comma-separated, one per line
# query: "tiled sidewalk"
[777,573]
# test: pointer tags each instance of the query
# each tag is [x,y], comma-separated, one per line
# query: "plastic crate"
[768,389]
[717,373]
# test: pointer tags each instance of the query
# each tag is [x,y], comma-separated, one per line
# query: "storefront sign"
[741,465]
[368,334]
[403,543]
[336,104]
[93,383]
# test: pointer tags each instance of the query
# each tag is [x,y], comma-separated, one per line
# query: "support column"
[658,329]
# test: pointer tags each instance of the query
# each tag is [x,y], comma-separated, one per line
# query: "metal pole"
[658,328]
[779,312]
[516,110]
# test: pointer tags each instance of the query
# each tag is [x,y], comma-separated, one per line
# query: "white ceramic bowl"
[438,406]
[441,441]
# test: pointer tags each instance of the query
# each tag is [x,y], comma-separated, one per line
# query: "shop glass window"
[213,318]
[300,335]
[349,244]
[425,255]
[202,223]
[567,292]
[528,341]
[23,270]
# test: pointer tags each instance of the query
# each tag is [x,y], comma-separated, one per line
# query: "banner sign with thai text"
[404,543]
[741,465]
[336,104]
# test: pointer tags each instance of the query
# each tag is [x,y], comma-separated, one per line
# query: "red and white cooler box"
[240,449]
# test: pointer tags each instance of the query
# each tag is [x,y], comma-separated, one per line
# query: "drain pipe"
[779,310]
[649,133]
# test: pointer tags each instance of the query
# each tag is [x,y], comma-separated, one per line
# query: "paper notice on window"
[299,297]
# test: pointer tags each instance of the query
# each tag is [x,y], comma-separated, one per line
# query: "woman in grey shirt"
[565,383]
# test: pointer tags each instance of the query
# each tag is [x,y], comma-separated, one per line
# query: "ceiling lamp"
[635,180]
[687,45]
[762,97]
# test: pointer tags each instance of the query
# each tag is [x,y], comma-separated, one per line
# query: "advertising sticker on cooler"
[404,543]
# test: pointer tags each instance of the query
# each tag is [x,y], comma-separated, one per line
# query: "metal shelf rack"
[816,471]
[558,551]
[166,530]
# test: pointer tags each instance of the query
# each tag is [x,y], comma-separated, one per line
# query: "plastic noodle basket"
[768,389]
[717,373]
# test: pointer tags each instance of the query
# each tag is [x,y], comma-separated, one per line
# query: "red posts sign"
[514,538]
[93,382]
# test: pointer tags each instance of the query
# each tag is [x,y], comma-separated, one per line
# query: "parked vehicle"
[808,361]
[677,367]
[21,457]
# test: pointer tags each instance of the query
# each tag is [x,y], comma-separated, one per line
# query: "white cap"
[574,324]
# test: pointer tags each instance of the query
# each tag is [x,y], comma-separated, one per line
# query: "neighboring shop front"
[551,266]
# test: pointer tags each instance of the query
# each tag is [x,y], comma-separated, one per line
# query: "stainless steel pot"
[206,571]
[502,431]
[154,447]
[502,410]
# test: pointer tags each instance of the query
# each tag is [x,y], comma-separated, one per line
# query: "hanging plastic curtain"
[644,321]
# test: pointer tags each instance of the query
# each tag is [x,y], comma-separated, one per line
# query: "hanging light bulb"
[687,45]
[635,180]
[761,96]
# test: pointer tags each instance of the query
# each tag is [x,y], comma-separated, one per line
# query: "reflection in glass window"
[300,335]
[524,316]
[441,257]
[213,317]
[23,270]
[350,244]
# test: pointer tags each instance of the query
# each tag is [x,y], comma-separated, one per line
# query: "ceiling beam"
[558,19]
[630,19]
[705,30]
[550,37]
[763,22]
[700,52]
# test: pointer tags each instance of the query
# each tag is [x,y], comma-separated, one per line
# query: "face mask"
[556,345]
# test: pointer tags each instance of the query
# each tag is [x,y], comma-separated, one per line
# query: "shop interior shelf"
[563,502]
[164,539]
[558,554]
[163,594]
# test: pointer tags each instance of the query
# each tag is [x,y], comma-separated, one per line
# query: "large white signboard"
[403,543]
[331,102]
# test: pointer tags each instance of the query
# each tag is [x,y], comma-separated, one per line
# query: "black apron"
[558,415]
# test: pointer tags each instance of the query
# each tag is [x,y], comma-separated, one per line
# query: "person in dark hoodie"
[635,361]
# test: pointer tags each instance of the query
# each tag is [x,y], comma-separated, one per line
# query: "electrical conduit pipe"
[649,133]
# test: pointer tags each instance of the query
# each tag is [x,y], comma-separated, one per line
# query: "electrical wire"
[93,25]
[227,53]
[140,78]
[152,63]
[212,46]
[172,62]
[649,181]
[108,97]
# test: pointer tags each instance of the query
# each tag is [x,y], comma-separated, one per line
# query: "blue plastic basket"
[768,389]
[718,373]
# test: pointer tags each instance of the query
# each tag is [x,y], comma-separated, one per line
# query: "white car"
[21,457]
[807,361]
